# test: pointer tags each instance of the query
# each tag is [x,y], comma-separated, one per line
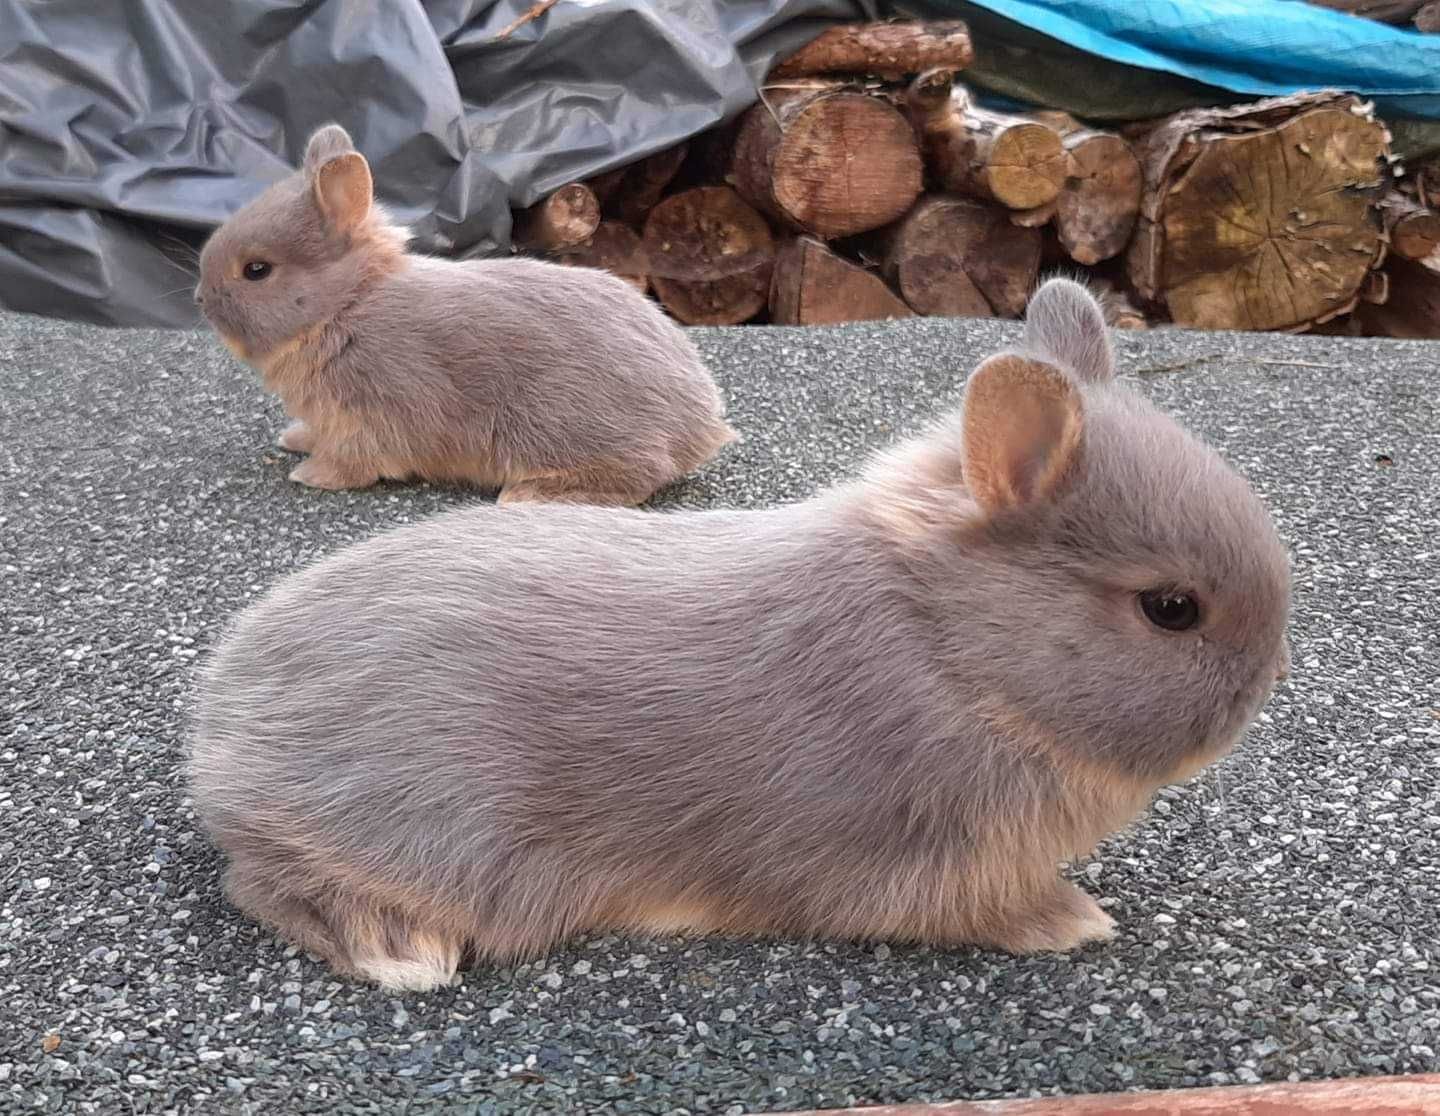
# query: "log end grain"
[567,217]
[1096,211]
[1025,165]
[834,162]
[814,286]
[1261,217]
[710,256]
[956,257]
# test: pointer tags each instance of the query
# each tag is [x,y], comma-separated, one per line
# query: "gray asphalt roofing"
[1278,914]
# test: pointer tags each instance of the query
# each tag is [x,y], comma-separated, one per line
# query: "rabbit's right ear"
[1064,324]
[1021,431]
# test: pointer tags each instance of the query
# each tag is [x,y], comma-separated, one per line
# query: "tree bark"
[887,50]
[1262,216]
[958,257]
[814,286]
[1015,162]
[616,248]
[710,256]
[566,218]
[830,161]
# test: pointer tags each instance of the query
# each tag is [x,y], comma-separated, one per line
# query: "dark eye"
[1175,612]
[256,270]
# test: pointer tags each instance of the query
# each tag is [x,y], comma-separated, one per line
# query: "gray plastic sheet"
[131,128]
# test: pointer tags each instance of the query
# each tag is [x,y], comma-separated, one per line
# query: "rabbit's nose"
[199,296]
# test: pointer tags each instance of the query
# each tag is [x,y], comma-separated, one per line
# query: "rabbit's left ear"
[1021,431]
[1064,324]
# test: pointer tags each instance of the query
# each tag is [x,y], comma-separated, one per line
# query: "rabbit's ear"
[1021,431]
[343,191]
[324,145]
[1064,324]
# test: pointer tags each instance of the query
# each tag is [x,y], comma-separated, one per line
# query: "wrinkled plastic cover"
[131,128]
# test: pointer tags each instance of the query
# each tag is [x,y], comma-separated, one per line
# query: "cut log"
[1413,308]
[887,50]
[566,218]
[1414,229]
[1099,202]
[710,256]
[1018,163]
[1262,216]
[832,162]
[961,258]
[615,248]
[1427,19]
[814,286]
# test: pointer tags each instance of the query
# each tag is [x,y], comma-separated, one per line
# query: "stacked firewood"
[868,183]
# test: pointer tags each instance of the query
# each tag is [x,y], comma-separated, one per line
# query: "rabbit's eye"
[256,270]
[1175,612]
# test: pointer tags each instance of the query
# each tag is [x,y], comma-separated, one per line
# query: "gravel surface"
[1278,915]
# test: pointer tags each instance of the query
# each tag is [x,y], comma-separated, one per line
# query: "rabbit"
[549,383]
[888,712]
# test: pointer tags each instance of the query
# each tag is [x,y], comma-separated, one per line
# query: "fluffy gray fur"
[886,712]
[547,382]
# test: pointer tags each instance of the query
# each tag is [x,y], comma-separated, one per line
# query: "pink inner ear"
[343,190]
[1022,431]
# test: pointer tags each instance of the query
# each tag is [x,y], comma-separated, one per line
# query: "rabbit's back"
[553,681]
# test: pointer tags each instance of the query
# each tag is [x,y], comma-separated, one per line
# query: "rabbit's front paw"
[296,438]
[428,962]
[321,472]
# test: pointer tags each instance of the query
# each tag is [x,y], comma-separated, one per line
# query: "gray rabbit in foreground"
[547,382]
[888,712]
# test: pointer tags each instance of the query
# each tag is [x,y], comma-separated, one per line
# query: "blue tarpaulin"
[1250,47]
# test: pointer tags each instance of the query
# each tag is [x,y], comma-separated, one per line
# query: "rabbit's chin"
[1224,741]
[234,344]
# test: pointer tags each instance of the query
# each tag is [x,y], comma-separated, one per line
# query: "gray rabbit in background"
[888,712]
[547,382]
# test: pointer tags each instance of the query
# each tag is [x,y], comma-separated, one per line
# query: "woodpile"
[869,183]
